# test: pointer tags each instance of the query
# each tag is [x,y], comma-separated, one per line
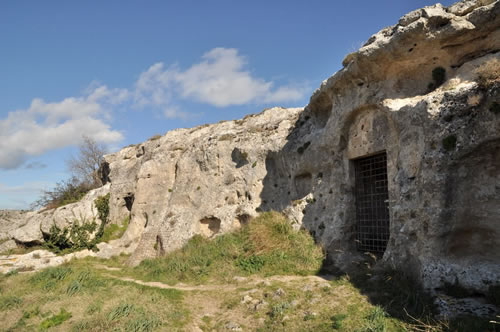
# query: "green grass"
[91,302]
[266,246]
[55,320]
[114,231]
[10,302]
[82,296]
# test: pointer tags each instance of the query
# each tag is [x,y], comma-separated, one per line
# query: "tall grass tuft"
[50,277]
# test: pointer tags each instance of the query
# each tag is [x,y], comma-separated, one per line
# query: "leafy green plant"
[337,321]
[80,235]
[278,310]
[102,206]
[72,238]
[250,264]
[55,320]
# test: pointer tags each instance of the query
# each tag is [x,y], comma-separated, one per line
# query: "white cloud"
[219,79]
[173,112]
[110,96]
[47,126]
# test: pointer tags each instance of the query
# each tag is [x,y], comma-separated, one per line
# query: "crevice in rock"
[129,201]
[303,184]
[103,173]
[160,251]
[209,226]
[243,219]
[239,157]
[140,151]
[472,56]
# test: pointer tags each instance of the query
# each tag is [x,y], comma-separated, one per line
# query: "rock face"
[439,133]
[28,227]
[397,153]
[206,180]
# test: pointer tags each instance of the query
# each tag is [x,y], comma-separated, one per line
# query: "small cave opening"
[103,173]
[239,157]
[129,201]
[303,184]
[209,226]
[158,246]
[243,219]
[321,110]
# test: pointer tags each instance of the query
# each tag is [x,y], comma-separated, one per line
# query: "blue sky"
[123,71]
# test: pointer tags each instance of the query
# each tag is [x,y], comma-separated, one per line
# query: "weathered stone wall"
[442,141]
[444,201]
[206,180]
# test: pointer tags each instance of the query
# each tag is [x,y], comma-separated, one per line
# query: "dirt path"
[252,281]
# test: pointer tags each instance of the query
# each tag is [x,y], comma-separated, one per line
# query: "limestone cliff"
[424,94]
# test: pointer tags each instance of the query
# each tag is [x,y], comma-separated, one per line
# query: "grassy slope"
[267,246]
[82,296]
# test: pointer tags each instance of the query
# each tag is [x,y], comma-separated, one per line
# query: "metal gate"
[372,206]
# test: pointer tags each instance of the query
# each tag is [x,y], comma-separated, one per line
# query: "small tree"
[84,176]
[86,164]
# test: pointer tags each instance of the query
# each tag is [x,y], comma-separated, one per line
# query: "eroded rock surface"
[207,180]
[439,133]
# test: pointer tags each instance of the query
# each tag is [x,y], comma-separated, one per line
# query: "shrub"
[102,206]
[65,192]
[85,176]
[154,137]
[78,235]
[250,264]
[488,73]
[74,238]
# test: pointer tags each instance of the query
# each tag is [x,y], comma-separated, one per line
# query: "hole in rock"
[209,226]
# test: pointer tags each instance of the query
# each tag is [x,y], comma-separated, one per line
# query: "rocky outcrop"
[206,180]
[29,227]
[422,95]
[441,137]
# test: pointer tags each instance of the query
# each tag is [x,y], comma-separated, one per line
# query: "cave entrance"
[372,203]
